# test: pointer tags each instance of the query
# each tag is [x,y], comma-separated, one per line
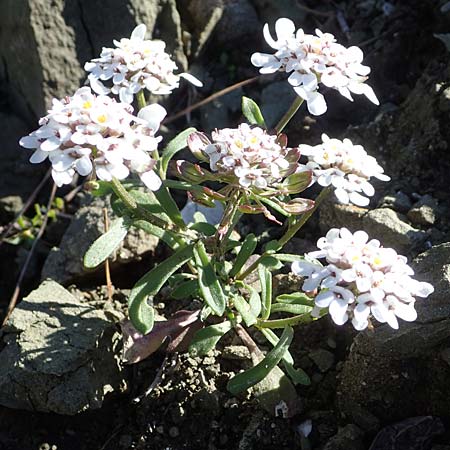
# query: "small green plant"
[27,228]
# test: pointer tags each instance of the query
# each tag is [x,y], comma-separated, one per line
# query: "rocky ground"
[62,383]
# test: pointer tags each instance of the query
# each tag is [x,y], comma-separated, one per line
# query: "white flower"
[87,133]
[314,59]
[248,154]
[361,280]
[345,166]
[134,64]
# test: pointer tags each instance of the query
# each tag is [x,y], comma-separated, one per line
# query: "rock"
[399,202]
[238,22]
[10,206]
[45,58]
[14,165]
[386,365]
[424,212]
[274,98]
[335,215]
[59,354]
[347,438]
[323,359]
[236,352]
[415,433]
[65,264]
[392,230]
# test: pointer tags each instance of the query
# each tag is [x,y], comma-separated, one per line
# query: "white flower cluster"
[250,154]
[87,133]
[360,280]
[313,59]
[135,64]
[345,166]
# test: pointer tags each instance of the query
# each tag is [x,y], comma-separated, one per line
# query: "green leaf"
[206,338]
[141,314]
[247,249]
[291,308]
[244,310]
[174,146]
[297,298]
[204,227]
[252,112]
[265,278]
[298,376]
[250,377]
[105,245]
[297,182]
[185,290]
[169,206]
[270,262]
[210,286]
[170,238]
[285,257]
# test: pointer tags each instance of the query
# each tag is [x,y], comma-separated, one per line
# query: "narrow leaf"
[141,314]
[173,147]
[244,310]
[171,239]
[247,249]
[185,290]
[291,309]
[169,206]
[209,284]
[105,245]
[206,339]
[298,376]
[297,298]
[252,112]
[265,278]
[250,377]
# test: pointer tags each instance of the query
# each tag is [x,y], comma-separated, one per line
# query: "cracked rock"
[59,354]
[386,365]
[65,264]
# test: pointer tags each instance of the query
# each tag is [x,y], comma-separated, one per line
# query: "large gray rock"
[44,45]
[395,374]
[390,227]
[59,354]
[65,264]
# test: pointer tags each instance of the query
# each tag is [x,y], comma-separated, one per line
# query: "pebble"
[174,432]
[323,359]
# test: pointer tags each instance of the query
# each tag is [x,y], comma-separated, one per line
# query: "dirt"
[188,406]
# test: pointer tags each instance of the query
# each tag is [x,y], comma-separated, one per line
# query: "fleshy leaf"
[206,339]
[250,377]
[177,144]
[210,286]
[105,245]
[141,314]
[244,309]
[298,376]
[265,278]
[247,249]
[252,112]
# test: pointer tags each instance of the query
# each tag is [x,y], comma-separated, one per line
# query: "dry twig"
[15,296]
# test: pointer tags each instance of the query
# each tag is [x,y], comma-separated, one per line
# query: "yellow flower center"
[101,118]
[87,104]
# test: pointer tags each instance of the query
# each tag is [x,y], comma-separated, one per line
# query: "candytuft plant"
[248,169]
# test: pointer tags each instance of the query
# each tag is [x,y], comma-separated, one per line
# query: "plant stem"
[140,96]
[293,229]
[289,114]
[109,285]
[290,233]
[129,202]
